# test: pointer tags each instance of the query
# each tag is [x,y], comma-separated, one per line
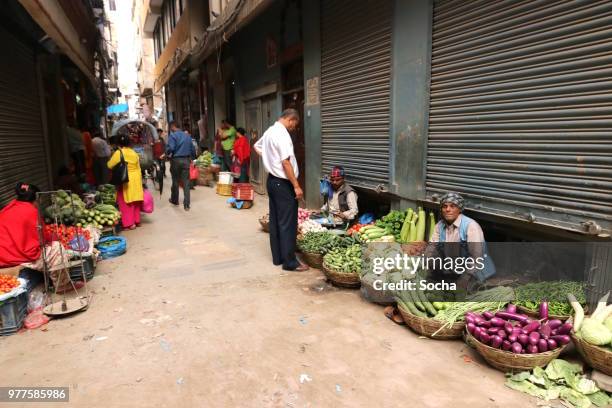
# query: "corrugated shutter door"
[521,108]
[355,88]
[22,147]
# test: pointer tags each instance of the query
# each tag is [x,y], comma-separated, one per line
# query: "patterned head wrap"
[337,171]
[453,198]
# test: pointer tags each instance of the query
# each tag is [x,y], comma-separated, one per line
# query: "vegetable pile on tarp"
[374,233]
[204,160]
[108,194]
[316,242]
[560,380]
[555,293]
[595,329]
[518,333]
[310,226]
[345,260]
[65,208]
[101,216]
[392,223]
[75,238]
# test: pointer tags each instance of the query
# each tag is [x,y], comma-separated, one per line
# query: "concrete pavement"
[196,315]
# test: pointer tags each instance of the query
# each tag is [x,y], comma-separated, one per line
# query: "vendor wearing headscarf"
[20,242]
[456,227]
[343,202]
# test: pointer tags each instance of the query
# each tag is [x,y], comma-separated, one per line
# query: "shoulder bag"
[120,172]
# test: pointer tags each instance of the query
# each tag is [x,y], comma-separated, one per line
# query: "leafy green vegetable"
[560,380]
[393,222]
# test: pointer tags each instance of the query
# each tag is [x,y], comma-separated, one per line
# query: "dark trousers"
[244,172]
[79,163]
[179,169]
[283,222]
[227,160]
[100,170]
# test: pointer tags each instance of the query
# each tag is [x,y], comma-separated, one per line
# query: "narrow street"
[195,314]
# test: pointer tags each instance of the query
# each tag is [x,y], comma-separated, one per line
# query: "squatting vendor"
[457,235]
[343,202]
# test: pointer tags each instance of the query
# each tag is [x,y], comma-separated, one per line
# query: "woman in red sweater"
[242,153]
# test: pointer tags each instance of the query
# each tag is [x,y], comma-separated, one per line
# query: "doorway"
[260,115]
[295,100]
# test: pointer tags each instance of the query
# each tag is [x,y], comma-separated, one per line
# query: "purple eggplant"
[561,339]
[534,338]
[542,346]
[496,342]
[526,321]
[544,309]
[508,327]
[554,324]
[523,339]
[470,327]
[485,323]
[532,349]
[502,333]
[497,322]
[478,320]
[551,344]
[493,330]
[565,328]
[512,316]
[545,331]
[470,319]
[554,332]
[488,315]
[517,348]
[513,337]
[477,331]
[485,338]
[506,345]
[531,327]
[511,308]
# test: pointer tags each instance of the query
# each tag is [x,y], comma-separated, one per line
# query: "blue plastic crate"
[13,312]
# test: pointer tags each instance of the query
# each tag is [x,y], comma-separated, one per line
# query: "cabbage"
[608,323]
[595,333]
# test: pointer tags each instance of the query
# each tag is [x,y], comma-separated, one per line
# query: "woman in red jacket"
[19,241]
[242,153]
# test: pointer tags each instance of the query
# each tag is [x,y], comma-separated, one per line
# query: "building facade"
[58,74]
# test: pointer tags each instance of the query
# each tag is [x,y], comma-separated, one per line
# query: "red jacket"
[18,234]
[242,149]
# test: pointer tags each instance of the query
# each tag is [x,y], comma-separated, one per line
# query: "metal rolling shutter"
[521,109]
[355,89]
[22,147]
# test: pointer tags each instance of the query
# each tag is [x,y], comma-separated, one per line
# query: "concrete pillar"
[312,112]
[412,26]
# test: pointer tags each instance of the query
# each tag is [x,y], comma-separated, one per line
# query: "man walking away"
[228,137]
[101,155]
[284,191]
[181,150]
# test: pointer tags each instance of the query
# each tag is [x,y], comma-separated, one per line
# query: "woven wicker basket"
[509,362]
[224,189]
[341,279]
[313,259]
[430,327]
[597,357]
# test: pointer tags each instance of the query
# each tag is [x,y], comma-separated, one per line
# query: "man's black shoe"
[172,202]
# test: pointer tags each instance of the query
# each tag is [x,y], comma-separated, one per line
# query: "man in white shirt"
[276,149]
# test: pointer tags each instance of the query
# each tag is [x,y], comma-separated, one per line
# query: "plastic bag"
[35,300]
[148,203]
[79,244]
[193,172]
[35,319]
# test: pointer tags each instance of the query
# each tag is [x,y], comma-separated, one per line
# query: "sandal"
[394,315]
